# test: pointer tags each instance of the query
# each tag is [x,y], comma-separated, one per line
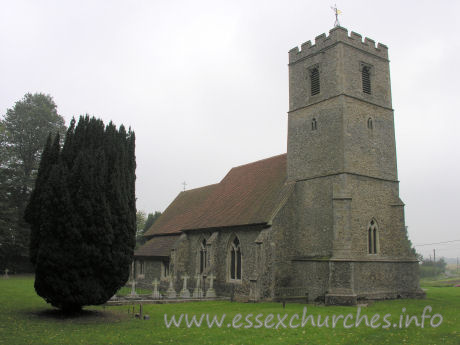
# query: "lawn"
[26,319]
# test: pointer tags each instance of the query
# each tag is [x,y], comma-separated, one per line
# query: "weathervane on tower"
[337,12]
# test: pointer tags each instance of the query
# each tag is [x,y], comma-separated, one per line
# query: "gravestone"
[198,292]
[156,294]
[184,293]
[211,293]
[171,293]
[133,293]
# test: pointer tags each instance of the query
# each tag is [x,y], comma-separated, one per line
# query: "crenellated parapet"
[337,34]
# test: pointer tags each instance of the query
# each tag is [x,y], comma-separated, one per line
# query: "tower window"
[314,125]
[314,79]
[372,237]
[366,76]
[370,123]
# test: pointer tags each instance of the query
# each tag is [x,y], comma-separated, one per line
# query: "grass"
[26,319]
[127,290]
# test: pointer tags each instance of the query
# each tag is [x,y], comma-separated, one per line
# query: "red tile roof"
[248,194]
[157,246]
[181,211]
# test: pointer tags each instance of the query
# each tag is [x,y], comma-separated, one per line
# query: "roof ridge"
[194,189]
[258,161]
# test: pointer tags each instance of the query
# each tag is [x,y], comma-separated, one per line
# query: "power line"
[429,244]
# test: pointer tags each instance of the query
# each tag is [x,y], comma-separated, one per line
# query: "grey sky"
[204,85]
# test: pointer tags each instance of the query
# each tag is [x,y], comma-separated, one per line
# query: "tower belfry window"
[366,76]
[372,233]
[314,79]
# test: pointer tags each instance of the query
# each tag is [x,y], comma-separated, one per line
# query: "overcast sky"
[204,84]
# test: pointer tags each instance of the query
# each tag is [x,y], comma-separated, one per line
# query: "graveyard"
[25,318]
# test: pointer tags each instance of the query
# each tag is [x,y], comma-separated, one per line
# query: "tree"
[83,216]
[23,132]
[141,230]
[140,221]
[430,268]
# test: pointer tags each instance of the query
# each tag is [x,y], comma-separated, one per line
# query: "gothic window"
[366,76]
[235,260]
[314,125]
[372,237]
[370,123]
[203,256]
[164,268]
[141,267]
[314,81]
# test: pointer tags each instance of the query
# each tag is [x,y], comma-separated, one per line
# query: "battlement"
[337,34]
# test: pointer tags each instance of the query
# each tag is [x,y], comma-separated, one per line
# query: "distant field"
[440,282]
[26,319]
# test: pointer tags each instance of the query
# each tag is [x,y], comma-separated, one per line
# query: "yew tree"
[82,215]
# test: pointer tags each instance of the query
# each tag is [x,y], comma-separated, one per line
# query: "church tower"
[340,114]
[342,158]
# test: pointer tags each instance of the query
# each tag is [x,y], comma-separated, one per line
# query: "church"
[324,220]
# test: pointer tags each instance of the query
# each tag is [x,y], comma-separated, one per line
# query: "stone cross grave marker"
[156,294]
[211,293]
[171,292]
[198,292]
[184,293]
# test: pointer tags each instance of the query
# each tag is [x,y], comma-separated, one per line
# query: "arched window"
[314,125]
[370,123]
[372,237]
[235,260]
[314,81]
[366,76]
[203,256]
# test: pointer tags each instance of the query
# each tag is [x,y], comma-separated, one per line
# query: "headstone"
[211,293]
[171,293]
[6,273]
[184,293]
[198,292]
[133,293]
[156,294]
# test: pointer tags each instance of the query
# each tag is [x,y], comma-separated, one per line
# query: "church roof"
[157,246]
[249,194]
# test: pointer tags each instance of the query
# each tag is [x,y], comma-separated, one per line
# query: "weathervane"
[337,12]
[184,184]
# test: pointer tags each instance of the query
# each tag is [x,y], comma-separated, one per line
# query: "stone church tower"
[342,157]
[322,222]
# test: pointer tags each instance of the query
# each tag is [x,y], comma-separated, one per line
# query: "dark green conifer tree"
[82,214]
